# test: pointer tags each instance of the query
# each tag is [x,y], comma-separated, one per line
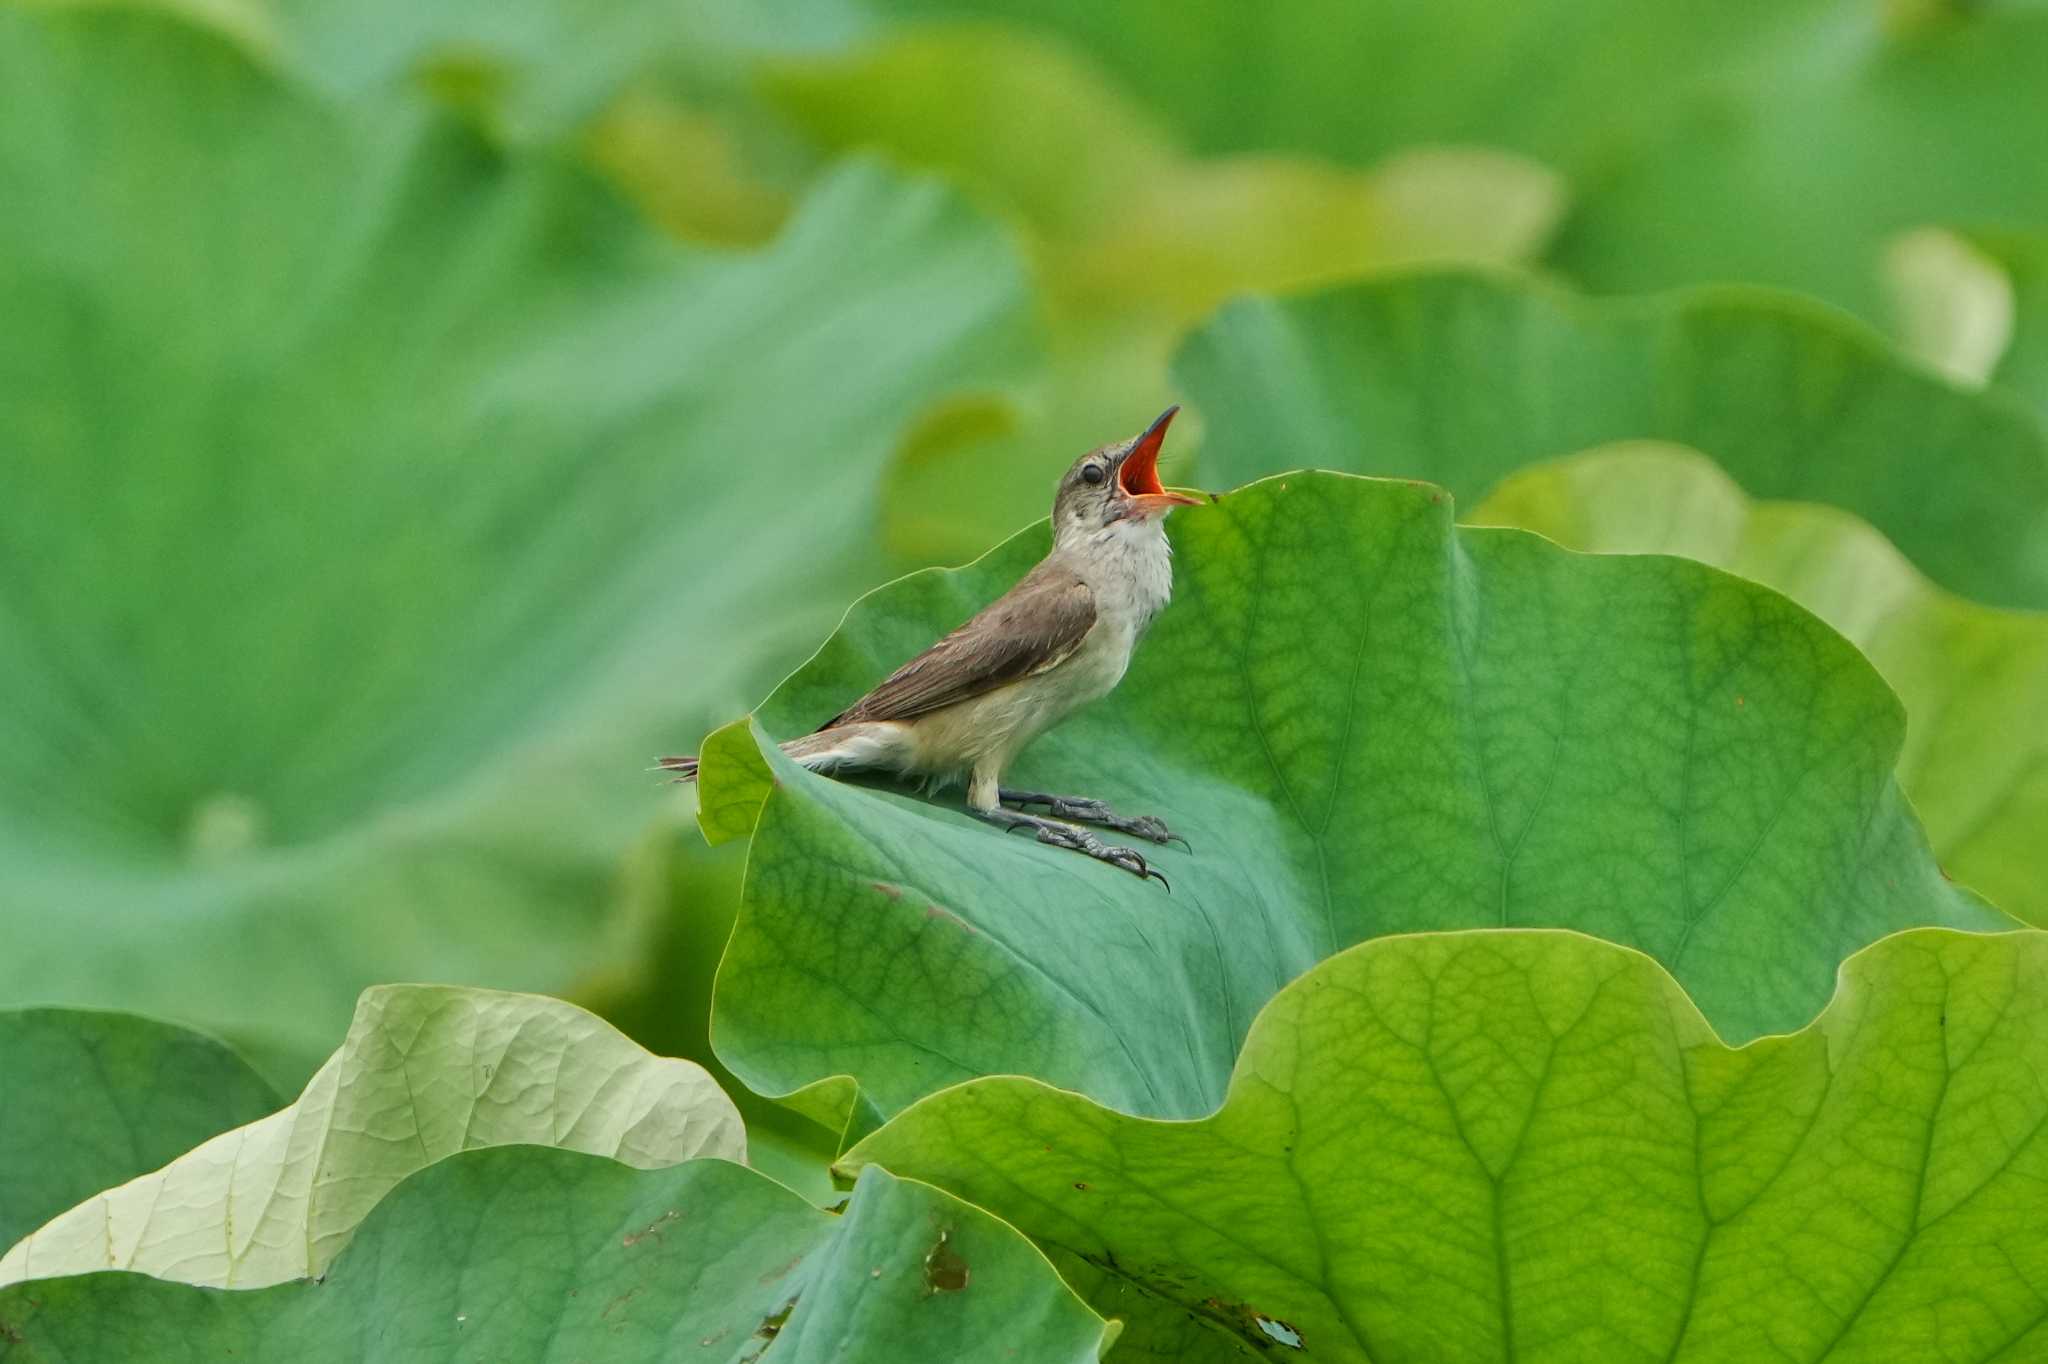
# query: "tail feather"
[876,744]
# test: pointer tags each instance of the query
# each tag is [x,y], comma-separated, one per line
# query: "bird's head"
[1116,483]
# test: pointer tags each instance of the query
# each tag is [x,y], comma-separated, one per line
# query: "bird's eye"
[1091,473]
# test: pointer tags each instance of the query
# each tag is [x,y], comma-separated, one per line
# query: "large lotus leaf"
[93,1099]
[1462,378]
[1974,679]
[1365,722]
[1531,1146]
[532,1254]
[378,505]
[1799,172]
[426,1071]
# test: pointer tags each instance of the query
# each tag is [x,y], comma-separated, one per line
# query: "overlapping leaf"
[1365,722]
[1530,1146]
[426,1071]
[1462,378]
[1974,679]
[378,504]
[551,1255]
[94,1099]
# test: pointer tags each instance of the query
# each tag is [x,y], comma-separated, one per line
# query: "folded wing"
[1035,626]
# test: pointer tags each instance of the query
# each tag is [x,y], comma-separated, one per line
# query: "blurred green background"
[414,418]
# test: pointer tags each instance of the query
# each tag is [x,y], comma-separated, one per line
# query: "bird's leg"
[1091,811]
[1063,835]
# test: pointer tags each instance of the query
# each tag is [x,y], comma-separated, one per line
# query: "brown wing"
[1034,626]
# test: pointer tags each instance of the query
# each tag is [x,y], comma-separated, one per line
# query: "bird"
[1059,639]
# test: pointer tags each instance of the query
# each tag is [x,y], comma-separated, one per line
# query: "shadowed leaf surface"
[1974,678]
[523,1253]
[1530,1146]
[1365,722]
[94,1099]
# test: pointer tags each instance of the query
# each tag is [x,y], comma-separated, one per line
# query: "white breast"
[1129,570]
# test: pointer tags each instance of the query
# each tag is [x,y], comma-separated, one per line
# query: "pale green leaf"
[426,1071]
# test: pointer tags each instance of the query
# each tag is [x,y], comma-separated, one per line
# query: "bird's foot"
[1062,835]
[1090,811]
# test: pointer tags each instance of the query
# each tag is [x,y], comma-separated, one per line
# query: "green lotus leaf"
[1974,679]
[94,1099]
[1365,722]
[1461,378]
[426,1071]
[1530,1146]
[379,505]
[528,1253]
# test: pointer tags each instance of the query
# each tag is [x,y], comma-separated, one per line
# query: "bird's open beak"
[1138,476]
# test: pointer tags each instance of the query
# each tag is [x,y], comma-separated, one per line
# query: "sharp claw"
[1176,838]
[1154,871]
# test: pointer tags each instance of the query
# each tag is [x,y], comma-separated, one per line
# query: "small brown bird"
[1059,639]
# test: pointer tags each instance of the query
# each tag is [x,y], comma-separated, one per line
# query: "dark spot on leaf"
[1278,1330]
[772,1275]
[620,1301]
[893,892]
[772,1324]
[1738,700]
[1082,1185]
[634,1238]
[941,912]
[944,1270]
